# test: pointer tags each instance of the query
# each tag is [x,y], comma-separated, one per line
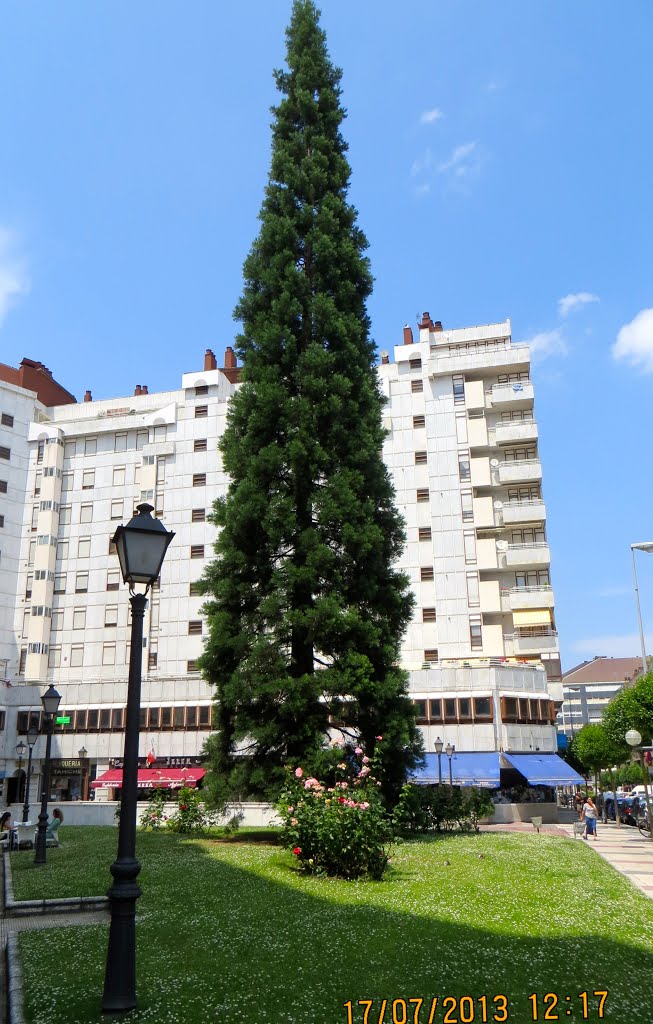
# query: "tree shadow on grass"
[220,942]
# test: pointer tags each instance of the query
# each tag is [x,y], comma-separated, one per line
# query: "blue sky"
[501,157]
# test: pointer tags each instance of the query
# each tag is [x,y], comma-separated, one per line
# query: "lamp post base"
[120,977]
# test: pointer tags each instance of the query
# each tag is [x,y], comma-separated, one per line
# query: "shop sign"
[161,762]
[66,766]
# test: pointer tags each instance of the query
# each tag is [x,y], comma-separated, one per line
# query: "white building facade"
[462,450]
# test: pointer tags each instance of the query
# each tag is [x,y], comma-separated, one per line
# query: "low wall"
[505,813]
[88,812]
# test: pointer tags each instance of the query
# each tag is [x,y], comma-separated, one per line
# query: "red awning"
[152,778]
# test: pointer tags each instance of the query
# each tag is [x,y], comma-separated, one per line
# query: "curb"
[14,983]
[64,905]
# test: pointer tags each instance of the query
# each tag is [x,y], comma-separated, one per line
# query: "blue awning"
[544,770]
[467,769]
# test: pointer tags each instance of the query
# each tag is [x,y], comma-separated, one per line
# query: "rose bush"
[340,830]
[191,814]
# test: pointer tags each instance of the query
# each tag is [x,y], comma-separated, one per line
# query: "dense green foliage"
[227,933]
[596,749]
[632,708]
[423,809]
[304,606]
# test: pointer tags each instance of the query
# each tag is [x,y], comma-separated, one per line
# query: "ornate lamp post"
[21,750]
[438,749]
[450,752]
[82,754]
[50,701]
[634,739]
[141,547]
[32,736]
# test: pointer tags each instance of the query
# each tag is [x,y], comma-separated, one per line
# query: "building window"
[204,716]
[40,452]
[28,585]
[60,583]
[22,662]
[108,654]
[416,386]
[57,620]
[197,551]
[32,549]
[435,710]
[509,709]
[64,515]
[152,659]
[419,421]
[428,614]
[81,583]
[201,411]
[119,476]
[142,438]
[84,547]
[420,711]
[90,446]
[54,657]
[88,479]
[77,656]
[464,468]
[424,533]
[458,389]
[194,590]
[467,506]
[450,709]
[113,579]
[426,572]
[105,719]
[7,420]
[422,494]
[431,654]
[62,550]
[483,709]
[120,443]
[464,709]
[160,432]
[166,718]
[473,590]
[201,389]
[191,666]
[86,514]
[469,542]
[198,515]
[154,718]
[67,480]
[420,458]
[38,479]
[476,632]
[191,715]
[79,618]
[195,627]
[5,453]
[117,508]
[111,615]
[199,479]
[199,445]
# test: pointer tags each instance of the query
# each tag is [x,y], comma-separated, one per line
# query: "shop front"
[169,773]
[69,779]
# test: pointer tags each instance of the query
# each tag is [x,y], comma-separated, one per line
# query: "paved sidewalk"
[626,850]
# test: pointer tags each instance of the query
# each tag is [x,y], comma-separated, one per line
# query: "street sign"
[63,720]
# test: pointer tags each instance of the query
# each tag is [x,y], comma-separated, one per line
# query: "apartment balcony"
[517,394]
[525,598]
[513,431]
[511,358]
[522,471]
[531,643]
[523,512]
[524,556]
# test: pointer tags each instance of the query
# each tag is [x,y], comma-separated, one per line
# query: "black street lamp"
[32,736]
[21,750]
[438,749]
[50,701]
[449,752]
[141,548]
[82,754]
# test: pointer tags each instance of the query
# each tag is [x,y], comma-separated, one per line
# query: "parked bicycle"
[644,825]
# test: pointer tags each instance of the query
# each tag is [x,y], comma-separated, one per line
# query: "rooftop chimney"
[88,397]
[437,325]
[137,389]
[229,358]
[426,322]
[385,358]
[408,335]
[210,362]
[144,389]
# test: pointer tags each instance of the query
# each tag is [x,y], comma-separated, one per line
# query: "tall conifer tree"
[305,609]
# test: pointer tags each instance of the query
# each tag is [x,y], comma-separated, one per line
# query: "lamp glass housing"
[21,749]
[438,745]
[141,546]
[633,738]
[32,735]
[82,753]
[450,749]
[51,700]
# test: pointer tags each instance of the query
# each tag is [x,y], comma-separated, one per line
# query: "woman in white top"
[589,816]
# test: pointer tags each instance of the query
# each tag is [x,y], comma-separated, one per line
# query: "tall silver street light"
[648,547]
[32,736]
[50,701]
[438,749]
[141,547]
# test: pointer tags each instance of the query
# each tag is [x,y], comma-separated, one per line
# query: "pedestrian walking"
[589,815]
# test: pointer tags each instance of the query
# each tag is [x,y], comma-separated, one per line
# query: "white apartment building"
[589,687]
[482,649]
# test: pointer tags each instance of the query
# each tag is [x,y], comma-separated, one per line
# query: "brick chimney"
[144,389]
[385,358]
[137,389]
[426,322]
[408,335]
[210,362]
[88,397]
[229,358]
[437,326]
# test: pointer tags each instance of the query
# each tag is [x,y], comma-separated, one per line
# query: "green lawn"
[232,933]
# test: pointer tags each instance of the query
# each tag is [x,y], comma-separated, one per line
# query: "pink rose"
[298,773]
[366,760]
[364,805]
[379,738]
[358,750]
[364,771]
[290,810]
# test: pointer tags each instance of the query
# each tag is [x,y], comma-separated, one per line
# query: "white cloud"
[612,645]
[458,158]
[422,163]
[635,342]
[616,591]
[545,344]
[570,303]
[13,274]
[431,116]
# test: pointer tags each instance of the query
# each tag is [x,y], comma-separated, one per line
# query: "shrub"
[440,809]
[191,814]
[153,817]
[340,830]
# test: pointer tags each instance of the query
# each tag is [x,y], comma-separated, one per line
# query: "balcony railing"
[503,356]
[518,471]
[512,393]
